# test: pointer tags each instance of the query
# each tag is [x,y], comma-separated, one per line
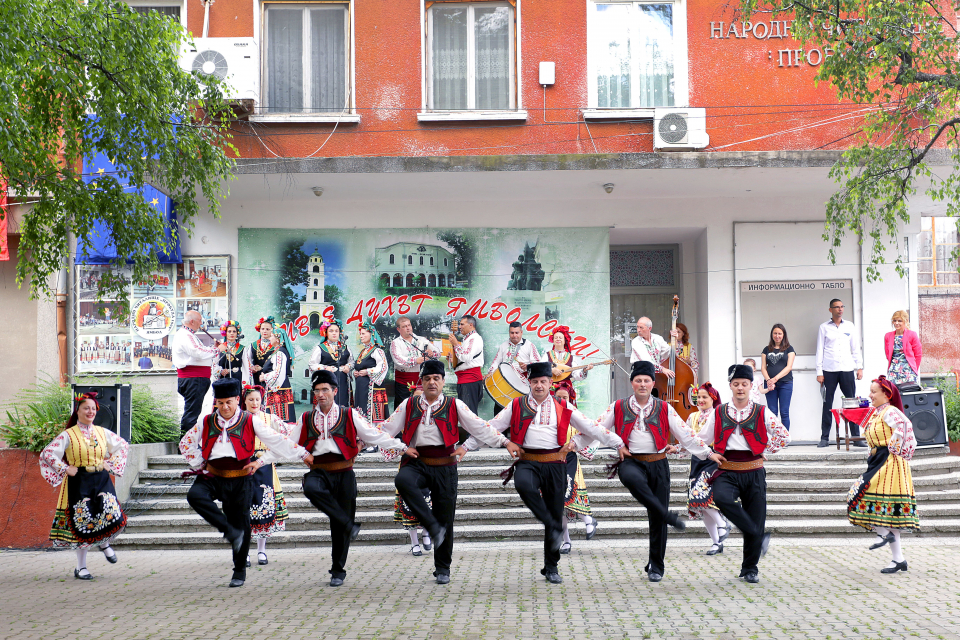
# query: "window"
[397,280]
[421,261]
[314,295]
[937,260]
[471,61]
[444,262]
[431,261]
[637,54]
[391,259]
[167,10]
[306,57]
[316,269]
[316,282]
[410,259]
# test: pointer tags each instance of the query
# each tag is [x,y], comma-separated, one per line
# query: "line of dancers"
[230,449]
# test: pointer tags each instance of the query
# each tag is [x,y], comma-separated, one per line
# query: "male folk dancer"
[518,352]
[645,423]
[470,370]
[219,449]
[330,433]
[742,432]
[408,352]
[430,426]
[539,424]
[194,363]
[650,347]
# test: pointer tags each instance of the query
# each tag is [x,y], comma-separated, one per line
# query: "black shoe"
[249,564]
[860,443]
[354,531]
[823,443]
[443,578]
[752,578]
[112,559]
[236,582]
[89,576]
[552,577]
[674,521]
[653,576]
[565,548]
[426,543]
[884,540]
[898,566]
[592,532]
[262,558]
[725,534]
[715,550]
[764,544]
[336,582]
[415,550]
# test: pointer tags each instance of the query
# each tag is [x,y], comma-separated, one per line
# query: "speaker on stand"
[115,406]
[928,415]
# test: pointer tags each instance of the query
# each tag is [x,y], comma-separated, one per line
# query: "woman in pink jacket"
[903,351]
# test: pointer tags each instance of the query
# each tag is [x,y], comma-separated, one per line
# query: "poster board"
[135,335]
[799,305]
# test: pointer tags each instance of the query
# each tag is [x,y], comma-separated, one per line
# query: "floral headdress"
[711,391]
[269,320]
[79,399]
[232,323]
[891,391]
[374,336]
[566,336]
[248,389]
[568,386]
[326,325]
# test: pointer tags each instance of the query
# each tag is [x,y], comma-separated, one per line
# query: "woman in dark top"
[231,360]
[332,355]
[777,368]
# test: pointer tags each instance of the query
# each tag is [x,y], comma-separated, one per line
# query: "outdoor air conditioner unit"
[236,60]
[679,129]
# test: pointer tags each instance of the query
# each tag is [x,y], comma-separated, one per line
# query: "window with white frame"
[471,57]
[937,256]
[637,54]
[171,8]
[306,63]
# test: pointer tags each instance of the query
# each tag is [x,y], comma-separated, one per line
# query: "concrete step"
[520,531]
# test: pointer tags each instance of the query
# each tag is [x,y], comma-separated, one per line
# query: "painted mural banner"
[540,278]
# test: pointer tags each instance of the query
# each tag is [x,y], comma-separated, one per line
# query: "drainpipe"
[62,326]
[206,16]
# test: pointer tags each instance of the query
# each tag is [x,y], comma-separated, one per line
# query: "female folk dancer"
[231,360]
[332,355]
[81,460]
[258,352]
[403,514]
[576,501]
[369,370]
[268,515]
[700,491]
[276,374]
[560,357]
[882,498]
[686,352]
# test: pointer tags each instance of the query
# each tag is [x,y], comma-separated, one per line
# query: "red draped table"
[848,416]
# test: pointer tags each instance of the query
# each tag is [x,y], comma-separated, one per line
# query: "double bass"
[676,390]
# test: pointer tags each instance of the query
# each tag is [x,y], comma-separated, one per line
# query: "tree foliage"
[899,59]
[61,60]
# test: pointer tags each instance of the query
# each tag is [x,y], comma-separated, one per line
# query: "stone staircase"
[806,493]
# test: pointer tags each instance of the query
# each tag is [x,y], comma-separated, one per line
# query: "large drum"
[505,384]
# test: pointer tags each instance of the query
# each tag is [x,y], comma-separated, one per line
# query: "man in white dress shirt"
[470,370]
[430,427]
[518,352]
[330,433]
[745,434]
[838,355]
[539,424]
[194,362]
[645,424]
[219,450]
[650,347]
[409,351]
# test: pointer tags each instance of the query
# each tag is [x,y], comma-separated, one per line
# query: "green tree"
[334,295]
[61,60]
[466,255]
[293,273]
[900,59]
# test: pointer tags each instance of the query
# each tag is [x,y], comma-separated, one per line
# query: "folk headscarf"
[374,336]
[565,384]
[269,320]
[712,392]
[891,391]
[232,323]
[326,325]
[566,336]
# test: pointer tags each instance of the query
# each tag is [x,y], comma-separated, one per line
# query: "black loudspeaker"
[115,406]
[926,411]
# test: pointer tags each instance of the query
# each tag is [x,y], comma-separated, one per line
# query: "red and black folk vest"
[523,414]
[241,435]
[753,428]
[624,420]
[344,433]
[445,417]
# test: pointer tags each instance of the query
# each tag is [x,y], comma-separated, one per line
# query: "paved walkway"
[817,589]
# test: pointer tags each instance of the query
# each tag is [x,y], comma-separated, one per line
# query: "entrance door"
[625,308]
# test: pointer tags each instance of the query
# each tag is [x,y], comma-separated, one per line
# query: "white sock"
[81,559]
[895,547]
[261,545]
[712,520]
[881,531]
[108,551]
[426,537]
[566,530]
[414,540]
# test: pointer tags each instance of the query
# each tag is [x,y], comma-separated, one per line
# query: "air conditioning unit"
[235,60]
[679,129]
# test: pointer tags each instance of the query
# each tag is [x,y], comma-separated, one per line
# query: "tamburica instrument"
[505,384]
[446,346]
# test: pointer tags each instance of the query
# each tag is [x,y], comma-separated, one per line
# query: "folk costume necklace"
[333,351]
[263,352]
[235,349]
[367,350]
[559,357]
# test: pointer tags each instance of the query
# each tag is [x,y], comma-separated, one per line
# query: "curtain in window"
[173,12]
[492,35]
[328,50]
[449,58]
[612,51]
[284,60]
[655,42]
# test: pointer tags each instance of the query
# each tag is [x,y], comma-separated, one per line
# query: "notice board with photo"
[799,305]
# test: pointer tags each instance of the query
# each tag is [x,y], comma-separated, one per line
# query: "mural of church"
[408,265]
[313,304]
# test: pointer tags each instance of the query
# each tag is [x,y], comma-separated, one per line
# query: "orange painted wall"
[939,319]
[751,101]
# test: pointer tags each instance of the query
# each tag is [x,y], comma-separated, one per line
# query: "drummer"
[517,353]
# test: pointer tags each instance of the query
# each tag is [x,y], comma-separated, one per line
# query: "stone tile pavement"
[818,588]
